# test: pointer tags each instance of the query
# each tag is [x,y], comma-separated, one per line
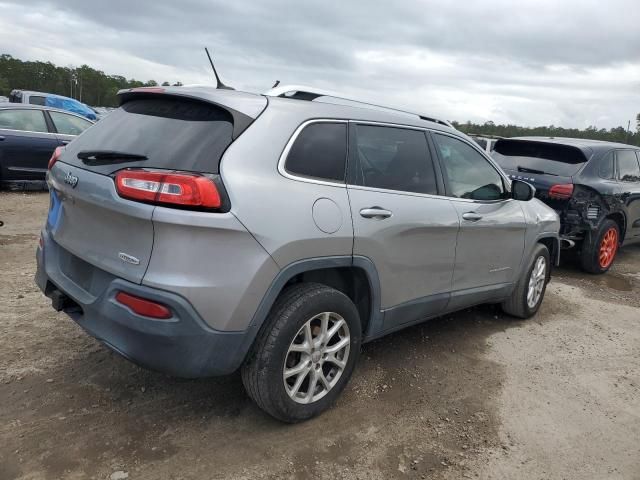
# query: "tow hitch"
[61,301]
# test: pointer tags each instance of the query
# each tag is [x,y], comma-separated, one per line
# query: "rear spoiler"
[253,105]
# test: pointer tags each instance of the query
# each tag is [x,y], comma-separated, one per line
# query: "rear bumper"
[183,345]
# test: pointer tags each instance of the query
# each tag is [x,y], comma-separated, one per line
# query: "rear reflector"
[54,158]
[144,307]
[185,189]
[562,191]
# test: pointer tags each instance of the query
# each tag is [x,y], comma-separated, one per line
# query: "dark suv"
[594,186]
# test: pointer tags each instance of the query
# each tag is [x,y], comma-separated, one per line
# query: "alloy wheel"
[536,282]
[316,358]
[608,248]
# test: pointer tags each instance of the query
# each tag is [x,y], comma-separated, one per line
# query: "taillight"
[562,191]
[184,189]
[54,158]
[144,307]
[147,89]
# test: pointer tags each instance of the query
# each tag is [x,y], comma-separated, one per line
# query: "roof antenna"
[219,85]
[276,84]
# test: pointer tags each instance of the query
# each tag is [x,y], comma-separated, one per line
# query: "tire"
[518,304]
[285,327]
[599,249]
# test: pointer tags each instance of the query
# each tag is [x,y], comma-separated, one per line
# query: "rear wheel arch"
[354,276]
[353,281]
[621,220]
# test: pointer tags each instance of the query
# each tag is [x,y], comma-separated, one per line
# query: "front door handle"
[1,138]
[471,216]
[375,212]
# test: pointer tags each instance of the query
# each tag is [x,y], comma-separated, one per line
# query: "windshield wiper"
[104,157]
[533,170]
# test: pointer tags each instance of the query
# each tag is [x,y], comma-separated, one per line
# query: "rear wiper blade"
[104,157]
[533,170]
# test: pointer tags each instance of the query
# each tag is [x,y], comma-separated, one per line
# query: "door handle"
[64,142]
[1,138]
[375,212]
[471,216]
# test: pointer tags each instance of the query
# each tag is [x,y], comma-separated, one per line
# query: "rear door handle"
[375,212]
[64,142]
[471,216]
[1,138]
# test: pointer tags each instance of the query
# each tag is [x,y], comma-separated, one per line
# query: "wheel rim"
[316,358]
[608,248]
[536,282]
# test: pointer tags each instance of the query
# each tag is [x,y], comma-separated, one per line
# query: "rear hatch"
[549,167]
[152,131]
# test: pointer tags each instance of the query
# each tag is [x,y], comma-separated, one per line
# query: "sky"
[569,63]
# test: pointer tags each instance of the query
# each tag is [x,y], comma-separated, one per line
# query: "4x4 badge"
[71,179]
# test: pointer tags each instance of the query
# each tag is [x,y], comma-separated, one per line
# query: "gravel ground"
[473,395]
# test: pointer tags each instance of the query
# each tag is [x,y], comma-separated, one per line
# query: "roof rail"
[301,92]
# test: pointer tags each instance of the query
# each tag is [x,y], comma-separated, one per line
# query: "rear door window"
[319,151]
[538,157]
[605,168]
[468,173]
[25,120]
[393,159]
[628,167]
[69,124]
[172,133]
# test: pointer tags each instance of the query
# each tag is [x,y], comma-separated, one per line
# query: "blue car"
[52,100]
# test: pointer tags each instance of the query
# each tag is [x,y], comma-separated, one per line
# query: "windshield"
[538,157]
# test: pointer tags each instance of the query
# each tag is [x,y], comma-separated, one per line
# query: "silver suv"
[198,231]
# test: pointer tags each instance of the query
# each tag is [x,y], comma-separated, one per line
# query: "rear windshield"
[538,157]
[172,133]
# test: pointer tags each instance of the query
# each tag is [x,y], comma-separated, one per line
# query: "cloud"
[570,63]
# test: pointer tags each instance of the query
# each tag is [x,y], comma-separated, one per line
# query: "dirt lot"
[474,395]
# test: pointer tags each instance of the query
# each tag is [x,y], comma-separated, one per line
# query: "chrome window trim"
[396,192]
[393,125]
[28,131]
[300,178]
[285,153]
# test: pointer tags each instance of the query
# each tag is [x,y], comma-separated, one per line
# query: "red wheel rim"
[608,247]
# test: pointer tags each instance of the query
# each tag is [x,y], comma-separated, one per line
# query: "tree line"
[91,86]
[94,87]
[617,134]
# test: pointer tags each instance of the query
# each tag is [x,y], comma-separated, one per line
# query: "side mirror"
[522,191]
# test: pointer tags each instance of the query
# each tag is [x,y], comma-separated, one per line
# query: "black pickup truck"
[594,186]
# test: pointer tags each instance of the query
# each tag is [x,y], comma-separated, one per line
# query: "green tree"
[93,87]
